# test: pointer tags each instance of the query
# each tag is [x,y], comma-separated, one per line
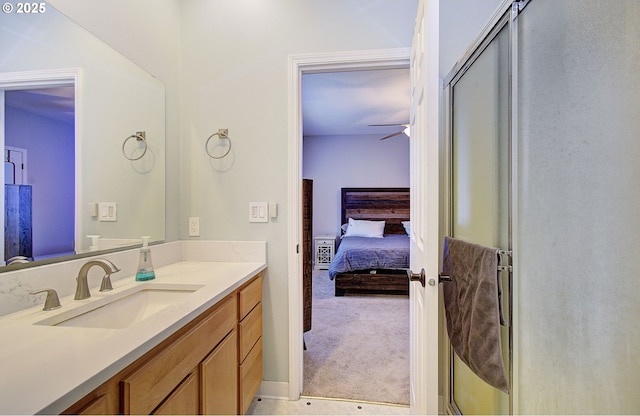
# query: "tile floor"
[322,406]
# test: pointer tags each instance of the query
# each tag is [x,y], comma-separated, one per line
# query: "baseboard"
[274,390]
[280,390]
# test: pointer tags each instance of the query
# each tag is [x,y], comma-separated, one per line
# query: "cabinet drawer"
[250,331]
[321,242]
[150,384]
[249,296]
[250,376]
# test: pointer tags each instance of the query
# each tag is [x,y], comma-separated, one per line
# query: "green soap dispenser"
[145,267]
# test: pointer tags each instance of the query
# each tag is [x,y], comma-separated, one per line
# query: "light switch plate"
[258,212]
[107,211]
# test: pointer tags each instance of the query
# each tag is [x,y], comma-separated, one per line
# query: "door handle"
[444,278]
[417,277]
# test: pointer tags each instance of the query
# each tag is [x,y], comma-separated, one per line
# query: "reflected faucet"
[82,289]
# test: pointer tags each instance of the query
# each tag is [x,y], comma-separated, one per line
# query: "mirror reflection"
[39,151]
[69,102]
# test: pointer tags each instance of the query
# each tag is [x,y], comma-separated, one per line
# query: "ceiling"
[52,102]
[345,103]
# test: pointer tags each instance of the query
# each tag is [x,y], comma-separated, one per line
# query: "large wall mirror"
[83,132]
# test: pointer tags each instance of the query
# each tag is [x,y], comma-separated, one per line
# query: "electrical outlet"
[194,226]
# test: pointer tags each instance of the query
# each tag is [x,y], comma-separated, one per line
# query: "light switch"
[107,211]
[258,212]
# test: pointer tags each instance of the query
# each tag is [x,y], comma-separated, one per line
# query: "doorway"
[358,345]
[38,119]
[299,65]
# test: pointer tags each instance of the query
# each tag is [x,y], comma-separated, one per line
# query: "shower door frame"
[505,15]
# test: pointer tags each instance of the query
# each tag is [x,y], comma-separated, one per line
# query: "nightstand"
[325,246]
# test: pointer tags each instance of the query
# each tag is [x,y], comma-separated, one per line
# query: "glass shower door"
[480,155]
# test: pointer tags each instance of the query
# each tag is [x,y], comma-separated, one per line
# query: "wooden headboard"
[377,204]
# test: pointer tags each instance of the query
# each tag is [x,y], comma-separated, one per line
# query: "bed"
[369,264]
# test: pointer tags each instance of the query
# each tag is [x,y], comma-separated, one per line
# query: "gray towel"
[472,308]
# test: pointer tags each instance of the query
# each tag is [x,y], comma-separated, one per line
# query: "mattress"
[363,253]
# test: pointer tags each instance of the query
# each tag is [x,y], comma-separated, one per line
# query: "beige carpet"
[358,346]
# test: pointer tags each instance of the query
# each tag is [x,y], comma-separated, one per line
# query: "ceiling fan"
[405,130]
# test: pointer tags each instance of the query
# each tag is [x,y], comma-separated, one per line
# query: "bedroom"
[342,150]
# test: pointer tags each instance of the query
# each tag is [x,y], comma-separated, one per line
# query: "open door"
[424,291]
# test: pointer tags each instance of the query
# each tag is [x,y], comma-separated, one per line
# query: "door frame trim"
[297,66]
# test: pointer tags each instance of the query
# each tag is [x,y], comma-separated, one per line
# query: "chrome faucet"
[82,289]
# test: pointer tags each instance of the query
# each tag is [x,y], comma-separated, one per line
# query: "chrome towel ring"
[222,134]
[140,136]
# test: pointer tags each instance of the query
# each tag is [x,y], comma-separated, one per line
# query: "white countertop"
[45,369]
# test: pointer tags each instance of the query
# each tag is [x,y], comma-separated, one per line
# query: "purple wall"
[51,172]
[334,162]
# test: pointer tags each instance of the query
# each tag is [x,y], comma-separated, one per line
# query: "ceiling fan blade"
[392,135]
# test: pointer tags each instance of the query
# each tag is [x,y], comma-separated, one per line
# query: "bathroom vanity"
[198,351]
[212,365]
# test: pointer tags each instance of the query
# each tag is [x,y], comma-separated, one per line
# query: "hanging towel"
[472,308]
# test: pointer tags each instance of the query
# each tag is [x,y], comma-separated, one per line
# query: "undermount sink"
[122,309]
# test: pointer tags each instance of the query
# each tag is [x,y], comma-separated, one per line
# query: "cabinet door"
[98,406]
[219,379]
[183,400]
[105,400]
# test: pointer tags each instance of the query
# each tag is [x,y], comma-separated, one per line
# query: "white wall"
[461,21]
[224,65]
[234,60]
[334,162]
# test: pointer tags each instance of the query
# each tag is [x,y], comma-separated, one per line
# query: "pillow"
[364,228]
[407,226]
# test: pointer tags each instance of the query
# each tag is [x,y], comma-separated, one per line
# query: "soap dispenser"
[145,267]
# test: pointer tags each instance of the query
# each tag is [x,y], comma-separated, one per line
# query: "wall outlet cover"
[194,226]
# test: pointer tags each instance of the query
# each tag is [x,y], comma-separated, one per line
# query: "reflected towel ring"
[140,136]
[222,134]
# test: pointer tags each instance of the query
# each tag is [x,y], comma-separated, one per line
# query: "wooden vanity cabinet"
[249,343]
[210,366]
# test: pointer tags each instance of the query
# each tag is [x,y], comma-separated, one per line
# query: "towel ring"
[222,134]
[140,136]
